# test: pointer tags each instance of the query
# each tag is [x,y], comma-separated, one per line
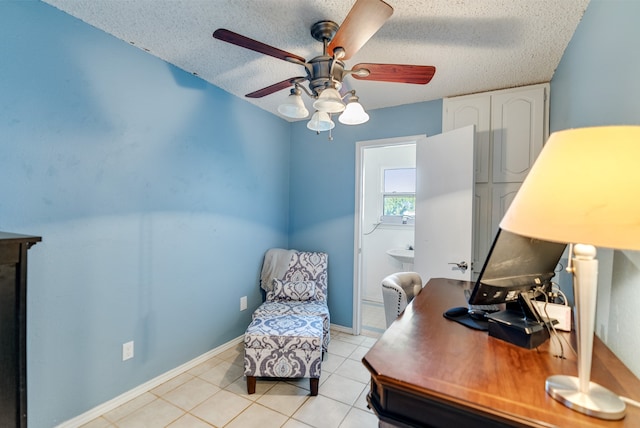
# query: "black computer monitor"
[515,265]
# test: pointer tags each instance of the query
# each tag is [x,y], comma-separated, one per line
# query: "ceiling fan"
[325,73]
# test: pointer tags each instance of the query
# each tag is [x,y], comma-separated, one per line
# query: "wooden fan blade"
[399,73]
[275,87]
[254,45]
[363,20]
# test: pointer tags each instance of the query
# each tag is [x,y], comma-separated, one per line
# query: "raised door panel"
[472,110]
[9,347]
[481,226]
[517,119]
[13,325]
[501,198]
[12,335]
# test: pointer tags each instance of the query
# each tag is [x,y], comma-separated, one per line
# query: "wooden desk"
[429,371]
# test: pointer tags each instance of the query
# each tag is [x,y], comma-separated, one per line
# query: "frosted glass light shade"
[354,114]
[582,188]
[320,121]
[293,107]
[329,101]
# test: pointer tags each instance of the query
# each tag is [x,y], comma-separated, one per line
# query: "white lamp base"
[598,401]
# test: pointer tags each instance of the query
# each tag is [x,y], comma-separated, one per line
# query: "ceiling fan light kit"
[325,73]
[294,107]
[321,121]
[329,101]
[354,113]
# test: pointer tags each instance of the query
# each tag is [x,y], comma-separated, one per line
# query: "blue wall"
[155,193]
[323,189]
[596,82]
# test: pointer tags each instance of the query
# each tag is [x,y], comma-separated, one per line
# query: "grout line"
[307,398]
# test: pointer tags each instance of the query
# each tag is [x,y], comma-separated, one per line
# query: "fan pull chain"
[330,134]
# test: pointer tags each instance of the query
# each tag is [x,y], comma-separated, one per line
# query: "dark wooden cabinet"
[427,371]
[13,328]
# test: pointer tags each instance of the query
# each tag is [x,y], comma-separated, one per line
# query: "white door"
[444,205]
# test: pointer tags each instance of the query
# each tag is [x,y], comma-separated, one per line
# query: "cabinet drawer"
[9,254]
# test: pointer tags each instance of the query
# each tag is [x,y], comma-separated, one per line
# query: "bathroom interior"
[388,220]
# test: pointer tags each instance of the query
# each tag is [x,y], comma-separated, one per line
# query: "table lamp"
[583,190]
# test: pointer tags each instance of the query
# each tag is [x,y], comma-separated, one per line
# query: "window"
[399,196]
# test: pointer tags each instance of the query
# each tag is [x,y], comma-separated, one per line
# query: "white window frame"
[394,219]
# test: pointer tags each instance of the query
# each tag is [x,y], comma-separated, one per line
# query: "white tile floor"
[214,394]
[373,319]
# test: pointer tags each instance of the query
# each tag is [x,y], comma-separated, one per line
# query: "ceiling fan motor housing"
[325,72]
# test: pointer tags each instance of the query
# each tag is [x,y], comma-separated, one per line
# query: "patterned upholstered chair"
[398,290]
[285,346]
[296,284]
[289,332]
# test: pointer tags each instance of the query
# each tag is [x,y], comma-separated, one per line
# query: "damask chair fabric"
[296,291]
[288,346]
[303,266]
[398,290]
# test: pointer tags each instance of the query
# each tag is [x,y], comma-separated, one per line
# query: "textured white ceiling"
[475,45]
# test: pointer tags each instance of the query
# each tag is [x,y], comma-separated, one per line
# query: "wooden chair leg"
[313,384]
[251,384]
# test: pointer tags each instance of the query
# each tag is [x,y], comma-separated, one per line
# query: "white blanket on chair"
[276,262]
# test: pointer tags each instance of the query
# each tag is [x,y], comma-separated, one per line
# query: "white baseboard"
[121,399]
[141,389]
[341,328]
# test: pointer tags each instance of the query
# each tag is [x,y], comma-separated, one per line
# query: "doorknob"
[462,266]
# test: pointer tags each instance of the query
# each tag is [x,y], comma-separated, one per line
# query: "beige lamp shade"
[583,188]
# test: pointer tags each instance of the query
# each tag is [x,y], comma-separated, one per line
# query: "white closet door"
[517,122]
[472,110]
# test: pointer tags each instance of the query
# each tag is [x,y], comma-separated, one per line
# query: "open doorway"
[443,230]
[384,220]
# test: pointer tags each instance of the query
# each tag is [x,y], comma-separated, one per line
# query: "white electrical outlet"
[127,351]
[243,303]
